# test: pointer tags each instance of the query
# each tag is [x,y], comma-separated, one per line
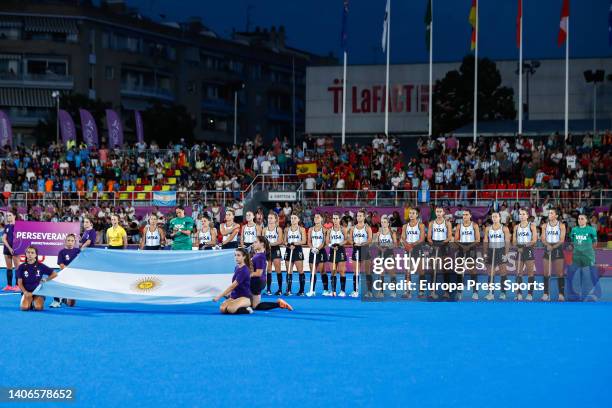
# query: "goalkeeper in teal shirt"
[584,239]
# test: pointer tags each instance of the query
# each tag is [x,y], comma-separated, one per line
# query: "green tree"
[167,124]
[454,96]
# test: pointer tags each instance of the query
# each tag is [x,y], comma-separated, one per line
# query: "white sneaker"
[326,293]
[519,296]
[459,296]
[490,296]
[250,309]
[367,295]
[561,298]
[475,296]
[342,294]
[393,294]
[55,304]
[502,296]
[355,294]
[421,294]
[446,295]
[529,297]
[545,297]
[434,295]
[310,294]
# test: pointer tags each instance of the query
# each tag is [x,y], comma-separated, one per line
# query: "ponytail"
[266,244]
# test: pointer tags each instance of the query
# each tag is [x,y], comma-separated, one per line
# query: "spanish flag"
[473,22]
[306,169]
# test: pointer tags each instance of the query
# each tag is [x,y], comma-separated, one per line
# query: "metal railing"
[394,198]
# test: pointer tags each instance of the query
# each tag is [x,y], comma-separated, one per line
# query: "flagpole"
[387,82]
[567,80]
[476,77]
[431,25]
[344,99]
[520,110]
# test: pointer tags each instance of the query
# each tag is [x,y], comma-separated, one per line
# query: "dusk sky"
[315,25]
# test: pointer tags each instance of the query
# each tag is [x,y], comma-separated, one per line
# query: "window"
[106,40]
[10,66]
[256,71]
[258,100]
[211,91]
[10,33]
[109,72]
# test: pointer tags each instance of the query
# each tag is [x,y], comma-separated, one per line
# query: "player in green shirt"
[180,230]
[584,238]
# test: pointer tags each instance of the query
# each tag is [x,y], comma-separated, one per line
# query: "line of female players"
[328,251]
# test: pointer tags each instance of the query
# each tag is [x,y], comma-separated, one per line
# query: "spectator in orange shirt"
[49,185]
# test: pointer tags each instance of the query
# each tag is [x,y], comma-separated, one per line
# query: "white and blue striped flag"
[150,277]
[164,198]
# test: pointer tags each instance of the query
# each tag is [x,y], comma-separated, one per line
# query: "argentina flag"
[164,198]
[149,277]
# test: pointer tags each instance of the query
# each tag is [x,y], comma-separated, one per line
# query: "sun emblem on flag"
[146,284]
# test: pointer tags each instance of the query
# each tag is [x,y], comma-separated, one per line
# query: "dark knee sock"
[289,282]
[242,310]
[279,280]
[546,284]
[343,283]
[267,306]
[9,277]
[268,281]
[502,280]
[334,279]
[474,277]
[519,280]
[355,281]
[369,282]
[561,284]
[314,281]
[302,282]
[324,278]
[531,281]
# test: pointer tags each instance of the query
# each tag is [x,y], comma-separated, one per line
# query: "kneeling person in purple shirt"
[64,257]
[239,301]
[29,275]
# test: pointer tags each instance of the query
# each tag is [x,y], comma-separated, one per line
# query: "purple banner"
[115,129]
[6,132]
[139,127]
[66,126]
[47,237]
[88,128]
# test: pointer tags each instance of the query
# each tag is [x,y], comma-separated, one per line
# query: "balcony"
[147,92]
[37,80]
[218,105]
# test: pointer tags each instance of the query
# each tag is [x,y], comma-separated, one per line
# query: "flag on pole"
[563,24]
[344,37]
[67,127]
[386,25]
[88,128]
[473,23]
[428,20]
[149,277]
[610,25]
[6,130]
[519,21]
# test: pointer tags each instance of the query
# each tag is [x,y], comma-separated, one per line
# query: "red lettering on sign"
[355,105]
[366,102]
[337,91]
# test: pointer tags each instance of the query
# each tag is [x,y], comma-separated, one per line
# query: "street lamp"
[56,95]
[237,87]
[594,77]
[529,68]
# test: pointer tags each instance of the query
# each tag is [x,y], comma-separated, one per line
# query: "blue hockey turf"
[328,352]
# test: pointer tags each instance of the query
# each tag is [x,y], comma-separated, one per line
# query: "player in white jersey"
[467,236]
[360,237]
[439,235]
[207,235]
[337,238]
[250,231]
[496,243]
[316,242]
[229,231]
[386,241]
[412,239]
[153,236]
[525,237]
[295,238]
[553,237]
[274,235]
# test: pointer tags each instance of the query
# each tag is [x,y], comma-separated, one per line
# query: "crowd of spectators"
[381,163]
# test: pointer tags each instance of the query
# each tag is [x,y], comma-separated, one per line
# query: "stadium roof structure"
[532,127]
